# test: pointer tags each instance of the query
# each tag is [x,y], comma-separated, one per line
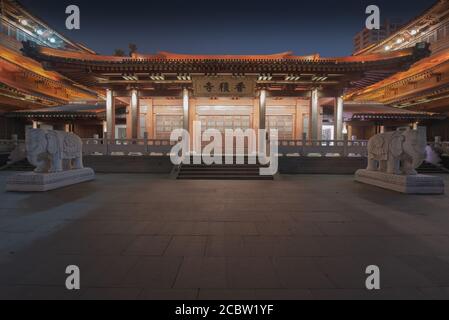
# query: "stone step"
[246,161]
[23,165]
[3,159]
[223,177]
[222,168]
[221,172]
[428,168]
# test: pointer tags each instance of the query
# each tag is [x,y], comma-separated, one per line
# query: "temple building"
[166,91]
[49,81]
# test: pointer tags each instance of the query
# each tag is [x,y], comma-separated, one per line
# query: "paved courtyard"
[150,237]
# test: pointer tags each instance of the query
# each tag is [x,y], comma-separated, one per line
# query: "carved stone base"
[38,182]
[418,184]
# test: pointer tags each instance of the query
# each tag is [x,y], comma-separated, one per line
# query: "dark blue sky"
[222,26]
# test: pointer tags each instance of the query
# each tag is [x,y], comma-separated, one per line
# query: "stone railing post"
[15,139]
[106,142]
[345,145]
[145,142]
[304,143]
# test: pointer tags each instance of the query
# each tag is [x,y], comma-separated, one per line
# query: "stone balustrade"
[137,147]
[443,147]
[132,147]
[341,148]
[303,148]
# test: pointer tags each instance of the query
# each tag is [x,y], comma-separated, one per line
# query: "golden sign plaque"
[224,86]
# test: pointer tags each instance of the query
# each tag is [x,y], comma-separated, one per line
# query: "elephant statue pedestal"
[408,184]
[393,158]
[58,158]
[39,182]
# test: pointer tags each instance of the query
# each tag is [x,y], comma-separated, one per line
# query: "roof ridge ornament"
[212,57]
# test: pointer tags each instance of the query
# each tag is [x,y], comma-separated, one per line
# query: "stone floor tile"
[187,246]
[153,273]
[201,272]
[150,237]
[148,245]
[257,273]
[300,273]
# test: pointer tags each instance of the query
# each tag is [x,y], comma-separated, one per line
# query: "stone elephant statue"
[53,151]
[397,152]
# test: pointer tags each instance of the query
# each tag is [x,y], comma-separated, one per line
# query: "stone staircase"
[428,168]
[221,172]
[3,159]
[22,165]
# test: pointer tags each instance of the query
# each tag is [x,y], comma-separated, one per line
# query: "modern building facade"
[366,37]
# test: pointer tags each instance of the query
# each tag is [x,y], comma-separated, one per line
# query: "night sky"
[221,26]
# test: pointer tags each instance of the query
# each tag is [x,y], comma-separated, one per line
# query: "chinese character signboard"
[224,86]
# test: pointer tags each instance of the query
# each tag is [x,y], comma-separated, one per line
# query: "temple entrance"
[224,122]
[222,118]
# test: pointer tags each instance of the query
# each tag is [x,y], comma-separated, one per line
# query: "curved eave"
[95,71]
[44,54]
[424,66]
[27,95]
[35,68]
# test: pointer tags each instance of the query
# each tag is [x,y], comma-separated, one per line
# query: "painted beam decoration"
[302,72]
[227,86]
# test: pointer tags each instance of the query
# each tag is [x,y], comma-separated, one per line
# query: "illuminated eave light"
[184,77]
[265,77]
[399,41]
[130,78]
[52,40]
[157,77]
[414,32]
[40,32]
[387,48]
[317,79]
[292,77]
[24,22]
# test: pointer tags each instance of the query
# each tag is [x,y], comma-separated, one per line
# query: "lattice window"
[165,124]
[224,122]
[284,125]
